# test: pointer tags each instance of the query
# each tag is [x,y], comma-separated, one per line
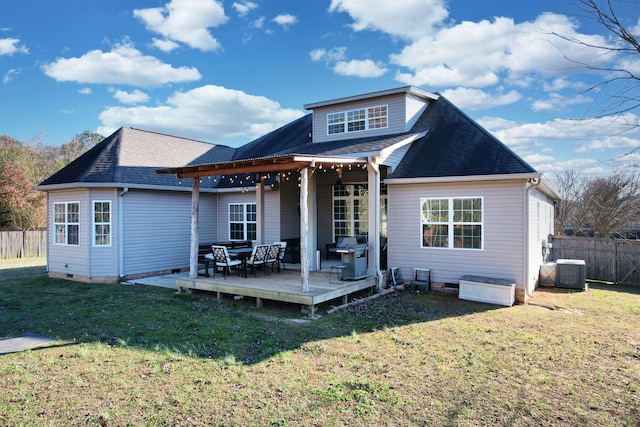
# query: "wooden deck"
[285,286]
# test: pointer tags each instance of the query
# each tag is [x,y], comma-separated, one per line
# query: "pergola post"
[195,203]
[304,228]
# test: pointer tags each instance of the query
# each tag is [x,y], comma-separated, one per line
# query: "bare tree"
[619,88]
[597,206]
[620,83]
[568,183]
[612,202]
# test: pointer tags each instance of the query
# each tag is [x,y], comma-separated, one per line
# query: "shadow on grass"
[198,325]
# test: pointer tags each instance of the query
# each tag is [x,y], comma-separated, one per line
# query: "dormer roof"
[409,90]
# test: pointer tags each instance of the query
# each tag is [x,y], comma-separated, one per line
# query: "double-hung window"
[242,221]
[454,223]
[357,120]
[66,223]
[350,210]
[102,223]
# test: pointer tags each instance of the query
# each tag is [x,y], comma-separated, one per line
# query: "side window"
[66,223]
[102,223]
[454,223]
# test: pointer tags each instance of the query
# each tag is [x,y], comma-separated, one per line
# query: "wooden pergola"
[277,164]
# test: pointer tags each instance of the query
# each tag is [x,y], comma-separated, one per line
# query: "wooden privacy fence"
[23,244]
[609,260]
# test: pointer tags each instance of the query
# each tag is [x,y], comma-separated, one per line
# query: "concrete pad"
[23,342]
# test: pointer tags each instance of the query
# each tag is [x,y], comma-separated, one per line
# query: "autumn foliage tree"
[22,166]
[22,206]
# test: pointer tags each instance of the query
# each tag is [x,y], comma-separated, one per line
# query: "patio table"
[242,254]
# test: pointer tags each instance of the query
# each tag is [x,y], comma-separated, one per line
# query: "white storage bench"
[487,289]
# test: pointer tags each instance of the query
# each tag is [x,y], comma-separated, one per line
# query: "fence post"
[615,262]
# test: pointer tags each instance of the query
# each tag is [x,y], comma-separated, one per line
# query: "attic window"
[357,120]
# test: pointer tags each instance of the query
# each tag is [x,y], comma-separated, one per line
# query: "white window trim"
[244,221]
[110,223]
[66,223]
[345,121]
[451,223]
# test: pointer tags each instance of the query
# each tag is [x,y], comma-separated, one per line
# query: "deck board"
[285,286]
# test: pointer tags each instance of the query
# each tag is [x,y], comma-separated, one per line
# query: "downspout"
[376,214]
[121,233]
[532,184]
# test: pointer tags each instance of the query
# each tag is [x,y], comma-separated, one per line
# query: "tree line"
[24,165]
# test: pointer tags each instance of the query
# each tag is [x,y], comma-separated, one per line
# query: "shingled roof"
[453,145]
[131,157]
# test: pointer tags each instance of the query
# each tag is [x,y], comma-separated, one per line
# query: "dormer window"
[357,120]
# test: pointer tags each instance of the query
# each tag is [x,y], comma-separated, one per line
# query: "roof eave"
[464,178]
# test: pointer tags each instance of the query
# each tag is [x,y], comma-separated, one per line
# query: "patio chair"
[258,258]
[221,259]
[283,249]
[273,256]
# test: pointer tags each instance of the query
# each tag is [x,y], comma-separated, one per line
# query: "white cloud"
[332,55]
[122,65]
[185,21]
[588,135]
[408,19]
[440,53]
[558,102]
[476,99]
[8,76]
[85,91]
[210,113]
[9,46]
[258,23]
[164,45]
[135,97]
[360,68]
[285,20]
[244,7]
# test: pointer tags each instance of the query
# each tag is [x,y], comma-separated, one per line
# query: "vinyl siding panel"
[394,159]
[271,216]
[541,223]
[396,113]
[503,231]
[157,230]
[66,259]
[415,107]
[103,259]
[208,218]
[223,210]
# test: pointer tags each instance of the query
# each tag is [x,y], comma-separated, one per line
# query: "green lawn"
[134,355]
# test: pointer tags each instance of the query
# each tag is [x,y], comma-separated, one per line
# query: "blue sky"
[230,71]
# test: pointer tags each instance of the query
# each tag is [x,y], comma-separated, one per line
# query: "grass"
[134,355]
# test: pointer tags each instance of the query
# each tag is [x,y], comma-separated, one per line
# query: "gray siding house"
[426,185]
